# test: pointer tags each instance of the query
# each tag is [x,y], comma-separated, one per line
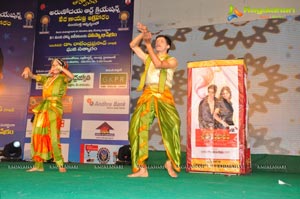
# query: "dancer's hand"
[26,72]
[147,37]
[142,28]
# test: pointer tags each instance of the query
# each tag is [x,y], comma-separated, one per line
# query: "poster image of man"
[207,109]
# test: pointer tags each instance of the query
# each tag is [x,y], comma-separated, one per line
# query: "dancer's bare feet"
[143,172]
[168,166]
[62,170]
[34,169]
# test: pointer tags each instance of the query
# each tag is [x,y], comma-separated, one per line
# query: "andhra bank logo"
[106,104]
[264,13]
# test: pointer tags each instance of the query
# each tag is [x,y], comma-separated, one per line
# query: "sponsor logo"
[103,155]
[113,80]
[104,130]
[82,81]
[106,104]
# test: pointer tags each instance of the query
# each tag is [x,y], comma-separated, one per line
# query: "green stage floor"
[98,181]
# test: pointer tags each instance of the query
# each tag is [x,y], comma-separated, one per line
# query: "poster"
[217,117]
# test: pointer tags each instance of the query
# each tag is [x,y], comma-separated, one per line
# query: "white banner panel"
[104,130]
[106,104]
[64,150]
[102,154]
[64,129]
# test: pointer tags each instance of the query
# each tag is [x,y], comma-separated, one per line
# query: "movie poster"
[217,117]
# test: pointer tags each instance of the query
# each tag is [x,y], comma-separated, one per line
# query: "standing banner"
[217,117]
[17,29]
[93,38]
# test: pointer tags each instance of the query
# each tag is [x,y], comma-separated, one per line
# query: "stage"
[111,181]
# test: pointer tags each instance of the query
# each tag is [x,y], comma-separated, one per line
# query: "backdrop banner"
[17,28]
[93,38]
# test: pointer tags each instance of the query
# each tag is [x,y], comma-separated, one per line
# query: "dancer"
[45,139]
[155,101]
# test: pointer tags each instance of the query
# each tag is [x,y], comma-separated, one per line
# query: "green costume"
[156,101]
[45,140]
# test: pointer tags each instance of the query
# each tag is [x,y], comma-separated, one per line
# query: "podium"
[217,122]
